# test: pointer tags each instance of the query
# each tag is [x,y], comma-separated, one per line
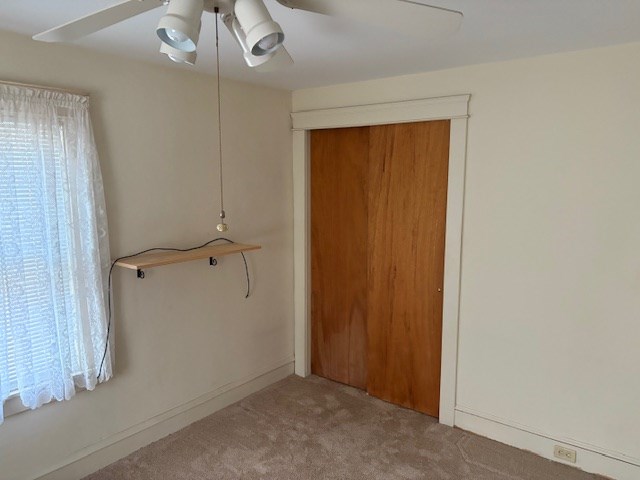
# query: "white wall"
[185,333]
[550,293]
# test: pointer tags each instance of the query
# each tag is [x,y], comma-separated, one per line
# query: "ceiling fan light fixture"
[179,56]
[180,27]
[233,25]
[265,38]
[262,34]
[255,61]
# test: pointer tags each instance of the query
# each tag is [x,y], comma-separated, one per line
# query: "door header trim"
[426,109]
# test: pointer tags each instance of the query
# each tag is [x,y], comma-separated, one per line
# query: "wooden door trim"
[454,108]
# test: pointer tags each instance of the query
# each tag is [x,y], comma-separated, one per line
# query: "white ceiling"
[329,50]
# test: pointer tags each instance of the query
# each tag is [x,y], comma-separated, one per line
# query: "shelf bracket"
[140,273]
[213,261]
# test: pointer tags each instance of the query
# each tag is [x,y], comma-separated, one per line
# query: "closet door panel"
[339,179]
[408,168]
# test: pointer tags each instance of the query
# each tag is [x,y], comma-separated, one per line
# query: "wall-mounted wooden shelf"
[150,260]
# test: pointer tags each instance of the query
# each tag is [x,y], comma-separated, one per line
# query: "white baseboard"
[117,446]
[589,458]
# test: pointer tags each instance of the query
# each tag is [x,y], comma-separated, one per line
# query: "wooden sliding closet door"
[378,209]
[339,173]
[408,167]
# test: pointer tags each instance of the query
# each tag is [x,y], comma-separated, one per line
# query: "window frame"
[12,405]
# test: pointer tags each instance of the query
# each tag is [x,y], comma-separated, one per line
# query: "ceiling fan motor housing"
[223,6]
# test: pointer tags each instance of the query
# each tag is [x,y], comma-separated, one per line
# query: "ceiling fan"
[258,35]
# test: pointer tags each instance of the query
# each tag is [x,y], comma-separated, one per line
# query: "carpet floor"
[316,429]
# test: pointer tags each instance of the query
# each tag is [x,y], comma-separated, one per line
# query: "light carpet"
[316,429]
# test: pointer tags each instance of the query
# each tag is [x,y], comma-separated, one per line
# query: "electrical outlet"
[564,453]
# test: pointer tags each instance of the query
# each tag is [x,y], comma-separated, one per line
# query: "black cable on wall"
[163,249]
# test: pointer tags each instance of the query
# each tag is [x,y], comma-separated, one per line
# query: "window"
[54,256]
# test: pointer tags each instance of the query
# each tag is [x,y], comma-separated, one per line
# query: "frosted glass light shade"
[263,35]
[180,27]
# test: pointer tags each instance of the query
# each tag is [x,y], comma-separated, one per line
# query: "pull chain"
[222,227]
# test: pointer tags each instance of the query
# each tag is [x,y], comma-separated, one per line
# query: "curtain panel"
[54,251]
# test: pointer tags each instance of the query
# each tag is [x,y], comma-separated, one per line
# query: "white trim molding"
[454,108]
[428,109]
[589,458]
[121,444]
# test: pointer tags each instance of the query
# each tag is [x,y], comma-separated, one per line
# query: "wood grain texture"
[339,175]
[157,259]
[407,211]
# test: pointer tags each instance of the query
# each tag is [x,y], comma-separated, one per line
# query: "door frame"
[454,108]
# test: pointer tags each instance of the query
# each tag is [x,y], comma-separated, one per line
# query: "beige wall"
[186,330]
[550,277]
[550,291]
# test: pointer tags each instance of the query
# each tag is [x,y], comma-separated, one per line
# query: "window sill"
[13,405]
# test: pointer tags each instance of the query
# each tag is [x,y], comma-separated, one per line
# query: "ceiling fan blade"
[409,17]
[97,21]
[280,61]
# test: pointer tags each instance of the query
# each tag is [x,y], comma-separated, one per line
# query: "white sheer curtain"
[54,251]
